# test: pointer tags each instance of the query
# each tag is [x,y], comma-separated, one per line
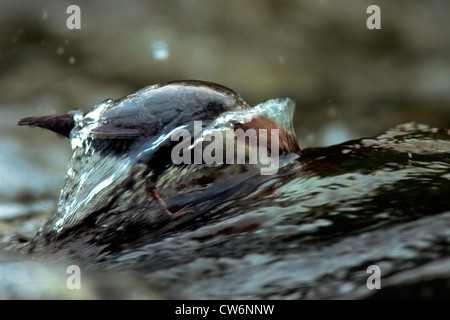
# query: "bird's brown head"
[286,141]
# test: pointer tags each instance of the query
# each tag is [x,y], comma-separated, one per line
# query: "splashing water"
[281,110]
[90,175]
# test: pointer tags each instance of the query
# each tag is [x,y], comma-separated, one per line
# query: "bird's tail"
[61,124]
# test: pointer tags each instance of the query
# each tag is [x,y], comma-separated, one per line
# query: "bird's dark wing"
[156,111]
[61,124]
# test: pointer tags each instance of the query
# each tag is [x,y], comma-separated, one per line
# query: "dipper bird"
[119,128]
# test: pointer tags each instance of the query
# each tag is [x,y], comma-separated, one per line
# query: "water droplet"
[160,50]
[72,60]
[310,138]
[281,59]
[44,15]
[60,51]
[332,112]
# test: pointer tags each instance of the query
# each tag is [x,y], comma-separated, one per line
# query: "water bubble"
[60,51]
[44,15]
[72,60]
[160,50]
[281,59]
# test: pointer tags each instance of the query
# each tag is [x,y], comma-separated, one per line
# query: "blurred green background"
[349,82]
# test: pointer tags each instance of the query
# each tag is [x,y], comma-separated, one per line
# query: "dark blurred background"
[349,82]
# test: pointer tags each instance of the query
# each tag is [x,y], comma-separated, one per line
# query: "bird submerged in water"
[135,130]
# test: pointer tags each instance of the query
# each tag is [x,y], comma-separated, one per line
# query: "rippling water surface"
[310,231]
